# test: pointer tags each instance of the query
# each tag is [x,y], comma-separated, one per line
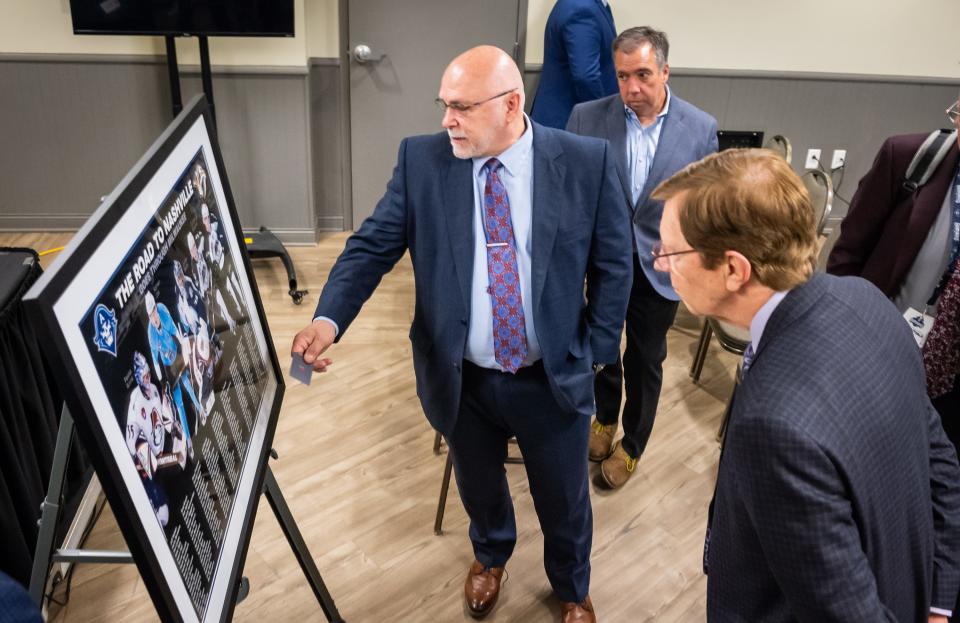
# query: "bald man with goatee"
[504,220]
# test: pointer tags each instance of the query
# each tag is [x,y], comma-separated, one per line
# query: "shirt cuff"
[946,613]
[336,327]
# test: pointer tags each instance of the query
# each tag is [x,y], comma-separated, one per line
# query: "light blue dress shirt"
[762,317]
[517,177]
[642,147]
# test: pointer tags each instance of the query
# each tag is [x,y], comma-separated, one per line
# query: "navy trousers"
[649,317]
[494,407]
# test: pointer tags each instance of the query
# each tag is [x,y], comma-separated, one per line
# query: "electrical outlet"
[813,157]
[839,158]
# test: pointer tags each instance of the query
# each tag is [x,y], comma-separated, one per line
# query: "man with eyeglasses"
[906,241]
[838,493]
[653,134]
[504,220]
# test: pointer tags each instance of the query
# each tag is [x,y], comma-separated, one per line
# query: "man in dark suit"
[15,603]
[653,134]
[576,59]
[838,493]
[504,220]
[902,242]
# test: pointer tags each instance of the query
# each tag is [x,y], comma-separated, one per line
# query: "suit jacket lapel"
[926,207]
[457,208]
[548,172]
[616,133]
[607,14]
[671,137]
[792,307]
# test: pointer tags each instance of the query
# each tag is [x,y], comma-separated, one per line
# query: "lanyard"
[954,241]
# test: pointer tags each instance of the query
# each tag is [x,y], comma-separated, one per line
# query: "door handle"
[363,54]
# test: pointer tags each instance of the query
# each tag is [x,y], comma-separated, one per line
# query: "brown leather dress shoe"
[578,613]
[601,440]
[618,467]
[481,588]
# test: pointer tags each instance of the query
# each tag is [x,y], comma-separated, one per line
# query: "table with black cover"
[29,416]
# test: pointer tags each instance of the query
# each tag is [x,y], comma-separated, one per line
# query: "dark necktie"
[941,351]
[509,329]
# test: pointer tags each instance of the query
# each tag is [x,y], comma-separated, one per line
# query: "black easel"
[51,507]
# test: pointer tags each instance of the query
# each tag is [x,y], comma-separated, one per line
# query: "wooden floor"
[357,470]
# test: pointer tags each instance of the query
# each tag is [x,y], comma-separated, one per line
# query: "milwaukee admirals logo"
[105,334]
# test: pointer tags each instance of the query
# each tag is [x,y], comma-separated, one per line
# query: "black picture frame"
[67,292]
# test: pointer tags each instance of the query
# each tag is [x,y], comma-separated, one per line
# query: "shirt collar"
[760,319]
[632,116]
[515,157]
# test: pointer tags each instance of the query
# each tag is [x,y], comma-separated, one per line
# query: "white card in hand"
[301,370]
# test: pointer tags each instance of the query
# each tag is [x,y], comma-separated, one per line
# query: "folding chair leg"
[701,354]
[436,443]
[442,503]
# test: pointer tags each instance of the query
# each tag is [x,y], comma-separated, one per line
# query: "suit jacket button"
[463,320]
[456,364]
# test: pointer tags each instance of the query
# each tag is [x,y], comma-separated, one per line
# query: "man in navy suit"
[838,493]
[577,66]
[653,134]
[504,220]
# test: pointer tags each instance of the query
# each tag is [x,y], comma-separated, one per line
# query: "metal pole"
[50,509]
[174,72]
[206,76]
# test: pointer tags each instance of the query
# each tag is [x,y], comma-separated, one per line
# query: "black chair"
[445,484]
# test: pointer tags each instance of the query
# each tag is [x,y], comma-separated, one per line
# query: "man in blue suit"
[838,493]
[653,134]
[577,66]
[504,220]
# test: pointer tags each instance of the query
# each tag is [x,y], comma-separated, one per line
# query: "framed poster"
[157,331]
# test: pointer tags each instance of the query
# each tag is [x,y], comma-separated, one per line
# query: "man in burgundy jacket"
[904,244]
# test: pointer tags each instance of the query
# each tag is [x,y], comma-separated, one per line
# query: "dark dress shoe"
[481,588]
[578,612]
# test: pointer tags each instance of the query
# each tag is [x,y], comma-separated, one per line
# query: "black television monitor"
[733,139]
[225,18]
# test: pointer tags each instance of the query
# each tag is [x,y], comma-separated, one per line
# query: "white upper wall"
[44,27]
[884,37]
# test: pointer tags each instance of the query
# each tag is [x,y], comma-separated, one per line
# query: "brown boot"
[481,588]
[618,467]
[601,440]
[578,613]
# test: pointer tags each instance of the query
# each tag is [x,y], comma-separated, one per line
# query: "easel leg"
[279,505]
[50,513]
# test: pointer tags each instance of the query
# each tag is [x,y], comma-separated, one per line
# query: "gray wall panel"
[328,160]
[71,129]
[855,113]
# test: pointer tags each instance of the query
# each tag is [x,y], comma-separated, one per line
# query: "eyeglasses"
[660,259]
[953,112]
[464,108]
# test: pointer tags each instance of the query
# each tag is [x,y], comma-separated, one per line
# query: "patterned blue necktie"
[509,329]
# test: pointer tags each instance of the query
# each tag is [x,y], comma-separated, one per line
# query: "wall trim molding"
[73,223]
[704,72]
[152,59]
[330,223]
[42,222]
[291,237]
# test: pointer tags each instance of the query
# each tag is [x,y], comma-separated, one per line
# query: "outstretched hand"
[312,341]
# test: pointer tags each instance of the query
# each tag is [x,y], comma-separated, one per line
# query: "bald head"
[484,94]
[487,66]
